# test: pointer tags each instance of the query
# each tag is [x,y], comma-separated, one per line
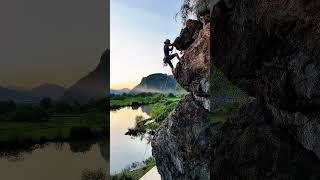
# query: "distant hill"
[49,90]
[93,85]
[119,91]
[17,96]
[158,82]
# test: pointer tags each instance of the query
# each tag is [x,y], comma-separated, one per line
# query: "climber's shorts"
[169,58]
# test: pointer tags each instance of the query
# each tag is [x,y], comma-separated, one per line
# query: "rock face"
[270,49]
[254,143]
[188,35]
[193,74]
[180,146]
[158,82]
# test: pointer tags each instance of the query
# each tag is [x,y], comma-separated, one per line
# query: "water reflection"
[124,150]
[54,160]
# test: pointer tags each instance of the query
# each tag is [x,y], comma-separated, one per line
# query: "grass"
[57,127]
[159,112]
[118,101]
[162,109]
[128,174]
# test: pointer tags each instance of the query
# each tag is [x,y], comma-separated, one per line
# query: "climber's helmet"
[167,41]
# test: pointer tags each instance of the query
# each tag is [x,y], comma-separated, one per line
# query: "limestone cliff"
[181,146]
[271,51]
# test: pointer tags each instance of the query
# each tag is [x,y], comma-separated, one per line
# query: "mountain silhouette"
[158,82]
[17,96]
[119,91]
[93,85]
[52,91]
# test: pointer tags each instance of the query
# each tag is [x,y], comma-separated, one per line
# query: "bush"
[192,7]
[80,133]
[7,106]
[29,114]
[94,175]
[46,103]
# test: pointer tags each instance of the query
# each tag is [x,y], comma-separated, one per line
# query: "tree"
[192,7]
[46,103]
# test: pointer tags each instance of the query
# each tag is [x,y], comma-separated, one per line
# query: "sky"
[137,32]
[51,41]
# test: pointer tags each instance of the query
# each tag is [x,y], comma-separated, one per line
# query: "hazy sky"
[53,41]
[138,29]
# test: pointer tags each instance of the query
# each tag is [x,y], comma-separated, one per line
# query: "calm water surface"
[124,150]
[54,161]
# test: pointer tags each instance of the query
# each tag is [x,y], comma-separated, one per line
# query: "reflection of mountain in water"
[104,150]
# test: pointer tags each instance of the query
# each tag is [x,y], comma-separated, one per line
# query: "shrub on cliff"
[193,7]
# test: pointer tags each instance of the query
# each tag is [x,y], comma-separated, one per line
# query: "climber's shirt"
[167,50]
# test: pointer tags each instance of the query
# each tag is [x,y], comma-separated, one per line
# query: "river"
[124,149]
[54,161]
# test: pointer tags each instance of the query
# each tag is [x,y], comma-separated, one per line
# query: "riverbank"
[134,173]
[118,101]
[58,127]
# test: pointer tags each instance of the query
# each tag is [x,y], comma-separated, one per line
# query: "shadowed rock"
[270,49]
[255,144]
[180,147]
[188,34]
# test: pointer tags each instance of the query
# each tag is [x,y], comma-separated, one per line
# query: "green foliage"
[161,110]
[80,133]
[128,174]
[180,89]
[192,7]
[220,115]
[94,175]
[117,101]
[46,103]
[7,106]
[219,84]
[221,87]
[28,113]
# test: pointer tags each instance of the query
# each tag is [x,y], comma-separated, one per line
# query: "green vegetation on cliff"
[225,97]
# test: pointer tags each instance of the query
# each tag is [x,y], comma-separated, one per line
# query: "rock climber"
[168,48]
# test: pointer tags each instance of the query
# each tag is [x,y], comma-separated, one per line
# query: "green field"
[117,101]
[57,127]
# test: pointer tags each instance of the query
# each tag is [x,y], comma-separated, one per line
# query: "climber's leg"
[170,64]
[173,70]
[178,57]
